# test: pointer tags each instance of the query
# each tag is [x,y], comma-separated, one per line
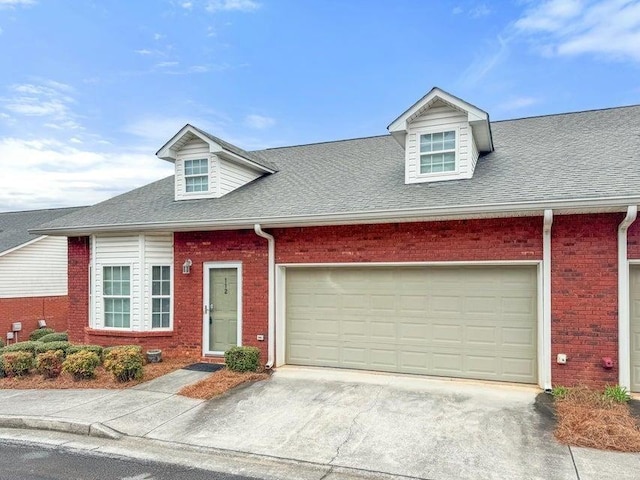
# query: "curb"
[59,425]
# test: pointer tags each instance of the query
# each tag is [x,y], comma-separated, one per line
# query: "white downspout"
[546,300]
[272,298]
[624,358]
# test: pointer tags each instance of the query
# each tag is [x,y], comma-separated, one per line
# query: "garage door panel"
[634,334]
[472,322]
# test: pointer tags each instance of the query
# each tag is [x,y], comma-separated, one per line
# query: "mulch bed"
[103,378]
[584,419]
[220,382]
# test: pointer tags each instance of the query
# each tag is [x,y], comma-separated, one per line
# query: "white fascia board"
[473,113]
[227,155]
[167,152]
[497,210]
[22,245]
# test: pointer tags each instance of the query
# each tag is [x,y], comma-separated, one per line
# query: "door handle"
[208,308]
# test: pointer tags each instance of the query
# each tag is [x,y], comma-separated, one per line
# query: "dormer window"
[438,152]
[196,175]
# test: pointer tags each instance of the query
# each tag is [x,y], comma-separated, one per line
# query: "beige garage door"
[634,283]
[468,322]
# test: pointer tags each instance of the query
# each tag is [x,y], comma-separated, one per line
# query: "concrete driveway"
[400,425]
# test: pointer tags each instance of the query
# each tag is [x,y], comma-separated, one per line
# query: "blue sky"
[90,90]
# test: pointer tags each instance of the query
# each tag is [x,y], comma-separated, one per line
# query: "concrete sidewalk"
[347,424]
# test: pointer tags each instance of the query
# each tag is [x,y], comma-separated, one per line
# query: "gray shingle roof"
[253,156]
[584,155]
[15,226]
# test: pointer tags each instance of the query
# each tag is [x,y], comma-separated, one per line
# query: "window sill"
[130,334]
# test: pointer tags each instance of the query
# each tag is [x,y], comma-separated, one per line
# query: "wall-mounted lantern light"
[186,266]
[42,323]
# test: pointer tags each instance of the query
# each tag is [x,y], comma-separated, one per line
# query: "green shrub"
[242,359]
[616,393]
[55,337]
[17,364]
[81,365]
[39,333]
[124,363]
[134,348]
[28,346]
[52,347]
[2,374]
[49,363]
[97,349]
[1,343]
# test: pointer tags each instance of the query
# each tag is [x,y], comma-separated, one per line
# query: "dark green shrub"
[17,364]
[1,343]
[52,347]
[81,365]
[124,363]
[49,363]
[27,346]
[2,374]
[242,359]
[55,337]
[39,333]
[97,349]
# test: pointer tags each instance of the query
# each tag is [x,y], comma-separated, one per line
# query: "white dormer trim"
[170,150]
[478,119]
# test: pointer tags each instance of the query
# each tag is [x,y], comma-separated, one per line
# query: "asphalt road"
[27,462]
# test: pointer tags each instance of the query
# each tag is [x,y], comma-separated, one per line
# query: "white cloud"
[167,64]
[608,28]
[480,10]
[143,51]
[491,56]
[230,5]
[16,3]
[457,10]
[259,122]
[48,173]
[158,36]
[47,99]
[187,5]
[517,103]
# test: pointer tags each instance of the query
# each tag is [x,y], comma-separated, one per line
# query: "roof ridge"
[324,142]
[576,112]
[44,209]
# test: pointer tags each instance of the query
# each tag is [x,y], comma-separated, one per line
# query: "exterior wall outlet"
[562,358]
[9,335]
[260,338]
[17,327]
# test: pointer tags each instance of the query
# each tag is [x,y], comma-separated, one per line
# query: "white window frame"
[151,328]
[455,151]
[207,175]
[105,297]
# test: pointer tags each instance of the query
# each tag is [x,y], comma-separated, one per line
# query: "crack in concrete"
[351,427]
[573,460]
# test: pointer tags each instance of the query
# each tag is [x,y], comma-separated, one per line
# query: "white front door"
[222,320]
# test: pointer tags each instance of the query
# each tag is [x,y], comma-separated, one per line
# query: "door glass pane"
[223,309]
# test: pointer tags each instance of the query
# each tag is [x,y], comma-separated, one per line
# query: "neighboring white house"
[33,271]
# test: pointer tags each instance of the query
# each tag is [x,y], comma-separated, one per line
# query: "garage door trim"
[281,270]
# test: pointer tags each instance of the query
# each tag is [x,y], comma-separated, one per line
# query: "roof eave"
[572,206]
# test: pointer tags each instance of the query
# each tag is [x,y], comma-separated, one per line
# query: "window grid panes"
[438,152]
[160,296]
[196,175]
[116,291]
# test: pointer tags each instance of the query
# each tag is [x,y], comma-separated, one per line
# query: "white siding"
[158,251]
[140,253]
[195,149]
[234,176]
[38,269]
[440,118]
[224,175]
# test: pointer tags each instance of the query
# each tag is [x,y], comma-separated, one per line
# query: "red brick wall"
[29,310]
[78,272]
[584,290]
[242,246]
[494,239]
[584,276]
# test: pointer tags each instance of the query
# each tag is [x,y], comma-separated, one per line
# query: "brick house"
[33,273]
[453,246]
